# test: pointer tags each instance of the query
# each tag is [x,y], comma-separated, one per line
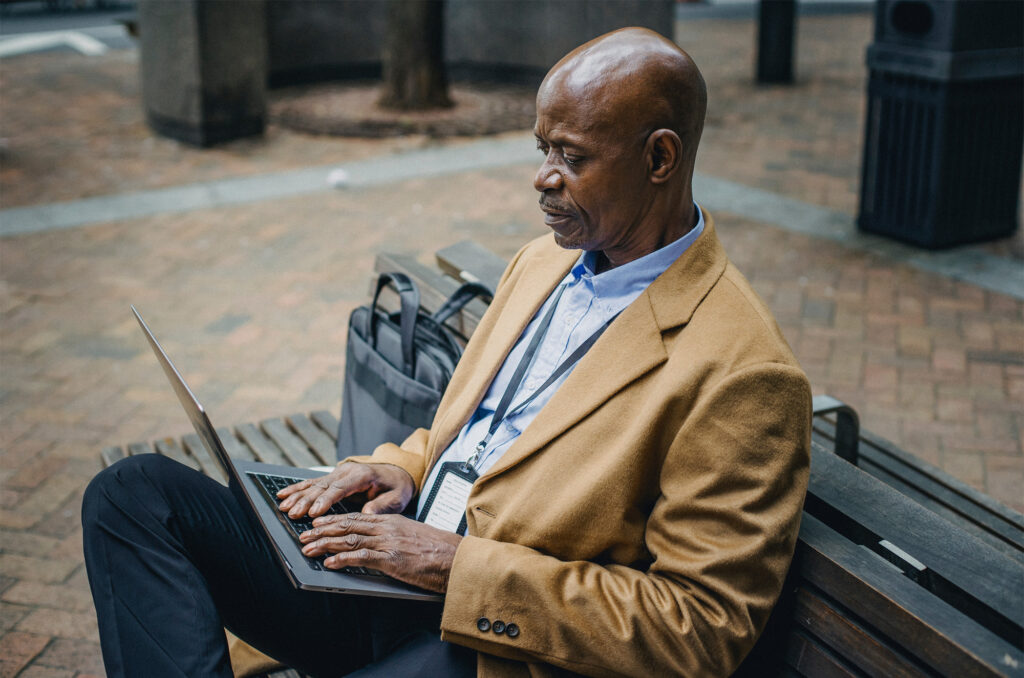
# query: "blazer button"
[511,630]
[484,624]
[498,627]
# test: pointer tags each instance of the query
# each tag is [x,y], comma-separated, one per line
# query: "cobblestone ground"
[253,300]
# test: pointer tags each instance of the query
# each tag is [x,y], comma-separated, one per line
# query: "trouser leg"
[172,558]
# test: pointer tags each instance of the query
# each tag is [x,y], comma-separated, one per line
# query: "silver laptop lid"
[193,408]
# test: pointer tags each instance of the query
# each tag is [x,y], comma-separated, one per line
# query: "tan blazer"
[643,523]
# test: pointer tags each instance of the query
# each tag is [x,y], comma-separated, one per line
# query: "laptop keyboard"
[273,484]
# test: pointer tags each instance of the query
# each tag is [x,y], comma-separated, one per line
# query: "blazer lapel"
[631,346]
[538,279]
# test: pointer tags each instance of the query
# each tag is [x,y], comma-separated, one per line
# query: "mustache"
[555,206]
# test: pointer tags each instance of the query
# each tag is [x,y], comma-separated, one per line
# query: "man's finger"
[388,502]
[359,558]
[297,505]
[346,523]
[344,544]
[292,489]
[333,493]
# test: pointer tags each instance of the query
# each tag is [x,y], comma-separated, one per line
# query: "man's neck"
[603,262]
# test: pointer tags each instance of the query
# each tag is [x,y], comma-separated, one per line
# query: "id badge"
[446,504]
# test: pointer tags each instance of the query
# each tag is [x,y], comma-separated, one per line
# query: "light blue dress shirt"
[589,301]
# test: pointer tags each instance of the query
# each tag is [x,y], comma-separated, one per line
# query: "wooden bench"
[900,570]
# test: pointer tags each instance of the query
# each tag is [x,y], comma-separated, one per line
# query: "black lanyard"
[501,413]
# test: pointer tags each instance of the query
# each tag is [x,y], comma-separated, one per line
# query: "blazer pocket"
[481,520]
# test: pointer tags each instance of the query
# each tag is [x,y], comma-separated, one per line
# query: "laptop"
[255,484]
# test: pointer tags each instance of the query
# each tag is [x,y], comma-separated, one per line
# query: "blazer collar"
[632,343]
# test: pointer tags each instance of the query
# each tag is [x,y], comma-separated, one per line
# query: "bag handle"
[460,297]
[409,295]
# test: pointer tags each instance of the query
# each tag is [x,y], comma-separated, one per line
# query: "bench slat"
[296,451]
[197,448]
[110,455]
[808,658]
[470,262]
[234,448]
[318,441]
[264,448]
[937,634]
[139,448]
[845,637]
[997,525]
[982,573]
[169,447]
[327,423]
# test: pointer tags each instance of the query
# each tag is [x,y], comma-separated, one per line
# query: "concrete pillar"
[204,68]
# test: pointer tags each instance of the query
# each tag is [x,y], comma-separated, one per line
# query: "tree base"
[351,109]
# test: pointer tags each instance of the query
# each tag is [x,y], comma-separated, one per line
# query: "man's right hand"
[388,489]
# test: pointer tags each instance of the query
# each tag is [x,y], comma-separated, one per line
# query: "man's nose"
[547,178]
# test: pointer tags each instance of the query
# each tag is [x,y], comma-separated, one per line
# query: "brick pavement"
[252,300]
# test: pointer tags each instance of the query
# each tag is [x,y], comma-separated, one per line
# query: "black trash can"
[945,121]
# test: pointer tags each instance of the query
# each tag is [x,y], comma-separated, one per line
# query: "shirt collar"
[637,274]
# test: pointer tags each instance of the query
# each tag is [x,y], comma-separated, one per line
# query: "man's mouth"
[555,212]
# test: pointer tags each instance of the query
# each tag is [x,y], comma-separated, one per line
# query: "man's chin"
[570,238]
[570,241]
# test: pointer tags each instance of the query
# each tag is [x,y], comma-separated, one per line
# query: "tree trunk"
[414,77]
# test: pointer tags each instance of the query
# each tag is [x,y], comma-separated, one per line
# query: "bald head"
[618,121]
[633,79]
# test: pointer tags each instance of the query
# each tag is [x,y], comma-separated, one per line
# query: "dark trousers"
[173,558]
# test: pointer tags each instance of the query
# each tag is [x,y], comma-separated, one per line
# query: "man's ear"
[664,152]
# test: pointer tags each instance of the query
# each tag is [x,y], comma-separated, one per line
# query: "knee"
[114,484]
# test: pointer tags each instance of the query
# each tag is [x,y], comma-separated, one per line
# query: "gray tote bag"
[397,366]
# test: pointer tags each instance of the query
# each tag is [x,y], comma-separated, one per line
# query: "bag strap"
[460,297]
[409,295]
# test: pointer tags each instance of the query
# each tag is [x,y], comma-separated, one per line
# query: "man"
[635,424]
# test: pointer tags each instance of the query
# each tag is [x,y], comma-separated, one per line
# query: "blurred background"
[233,167]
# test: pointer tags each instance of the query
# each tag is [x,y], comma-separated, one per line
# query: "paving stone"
[18,649]
[60,597]
[952,360]
[36,671]
[15,520]
[968,465]
[11,614]
[26,543]
[36,471]
[60,623]
[52,494]
[9,669]
[45,570]
[81,655]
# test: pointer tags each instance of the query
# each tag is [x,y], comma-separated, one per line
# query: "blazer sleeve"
[720,535]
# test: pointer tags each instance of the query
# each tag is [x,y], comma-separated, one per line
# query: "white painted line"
[85,44]
[35,42]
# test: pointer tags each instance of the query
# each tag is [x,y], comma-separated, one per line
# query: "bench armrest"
[847,425]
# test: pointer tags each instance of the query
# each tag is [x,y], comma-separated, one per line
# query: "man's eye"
[542,148]
[572,160]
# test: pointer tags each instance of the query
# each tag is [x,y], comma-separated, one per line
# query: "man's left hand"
[405,549]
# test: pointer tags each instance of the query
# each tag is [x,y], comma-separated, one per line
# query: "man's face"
[593,185]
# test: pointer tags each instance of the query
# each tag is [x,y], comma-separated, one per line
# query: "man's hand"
[388,489]
[407,550]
